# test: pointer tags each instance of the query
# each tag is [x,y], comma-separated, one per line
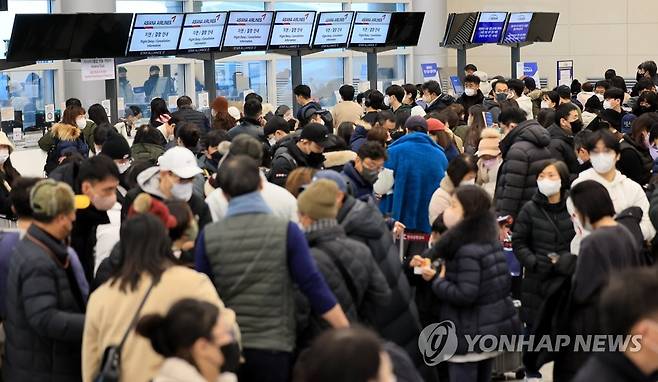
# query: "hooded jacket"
[361,189]
[534,237]
[562,148]
[358,138]
[289,157]
[418,165]
[146,151]
[525,152]
[635,161]
[475,293]
[149,181]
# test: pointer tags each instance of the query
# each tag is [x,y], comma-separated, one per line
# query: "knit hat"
[489,143]
[434,124]
[49,198]
[318,201]
[415,122]
[116,147]
[144,203]
[333,176]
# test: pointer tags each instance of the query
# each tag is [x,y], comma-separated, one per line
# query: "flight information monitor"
[489,27]
[99,35]
[292,30]
[333,30]
[247,31]
[202,32]
[155,34]
[517,28]
[370,29]
[405,28]
[41,37]
[459,29]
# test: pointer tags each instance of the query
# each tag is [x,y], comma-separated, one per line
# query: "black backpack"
[60,148]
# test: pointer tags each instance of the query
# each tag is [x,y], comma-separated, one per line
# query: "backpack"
[60,148]
[312,108]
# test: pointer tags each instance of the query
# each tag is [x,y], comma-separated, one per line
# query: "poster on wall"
[564,72]
[95,69]
[528,69]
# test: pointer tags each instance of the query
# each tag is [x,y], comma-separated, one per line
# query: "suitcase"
[509,365]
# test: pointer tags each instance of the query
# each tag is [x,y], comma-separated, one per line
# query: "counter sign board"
[155,34]
[202,32]
[489,27]
[292,30]
[247,31]
[517,28]
[370,29]
[333,30]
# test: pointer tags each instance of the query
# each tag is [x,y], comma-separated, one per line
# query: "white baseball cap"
[180,161]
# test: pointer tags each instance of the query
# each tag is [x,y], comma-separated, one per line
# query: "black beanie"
[116,147]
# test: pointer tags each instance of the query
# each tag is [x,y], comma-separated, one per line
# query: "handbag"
[110,370]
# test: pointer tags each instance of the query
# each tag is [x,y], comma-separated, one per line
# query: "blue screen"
[517,28]
[489,28]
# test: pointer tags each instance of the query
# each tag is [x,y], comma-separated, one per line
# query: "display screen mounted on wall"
[370,29]
[542,27]
[517,28]
[405,28]
[292,30]
[333,29]
[41,37]
[202,32]
[247,31]
[489,27]
[155,34]
[459,29]
[101,35]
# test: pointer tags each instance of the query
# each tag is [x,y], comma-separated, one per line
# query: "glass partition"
[140,83]
[28,92]
[389,69]
[322,75]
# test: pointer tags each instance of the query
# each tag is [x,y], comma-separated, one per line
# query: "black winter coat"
[45,314]
[525,152]
[289,157]
[467,102]
[476,291]
[534,237]
[611,367]
[351,272]
[635,161]
[561,147]
[398,321]
[190,115]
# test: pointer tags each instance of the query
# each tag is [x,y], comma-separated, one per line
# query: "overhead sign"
[489,27]
[155,34]
[94,69]
[247,31]
[517,28]
[370,29]
[333,30]
[292,30]
[202,32]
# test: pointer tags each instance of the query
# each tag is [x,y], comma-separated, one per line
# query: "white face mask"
[544,105]
[580,161]
[104,203]
[599,96]
[182,191]
[387,100]
[271,140]
[469,182]
[549,187]
[607,104]
[602,162]
[98,149]
[123,167]
[4,155]
[81,122]
[470,92]
[213,113]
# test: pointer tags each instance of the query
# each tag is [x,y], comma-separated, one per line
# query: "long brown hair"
[71,113]
[475,129]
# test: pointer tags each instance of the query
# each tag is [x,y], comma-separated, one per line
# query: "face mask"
[544,105]
[549,187]
[580,161]
[599,96]
[607,105]
[123,167]
[104,203]
[490,163]
[231,353]
[370,176]
[182,191]
[451,219]
[576,125]
[387,101]
[81,122]
[271,141]
[470,182]
[213,113]
[470,92]
[4,155]
[602,162]
[192,231]
[500,97]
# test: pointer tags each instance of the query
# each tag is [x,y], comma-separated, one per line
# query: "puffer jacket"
[190,115]
[475,293]
[45,314]
[398,321]
[635,161]
[441,198]
[534,237]
[351,272]
[562,148]
[525,152]
[146,151]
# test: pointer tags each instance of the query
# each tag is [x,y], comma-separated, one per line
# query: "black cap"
[116,147]
[317,133]
[154,68]
[275,124]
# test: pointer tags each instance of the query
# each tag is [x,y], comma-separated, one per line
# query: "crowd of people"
[262,243]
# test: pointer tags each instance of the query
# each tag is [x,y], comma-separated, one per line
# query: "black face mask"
[576,126]
[216,157]
[231,352]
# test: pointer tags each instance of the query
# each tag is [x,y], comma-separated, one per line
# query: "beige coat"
[346,111]
[110,311]
[179,370]
[441,198]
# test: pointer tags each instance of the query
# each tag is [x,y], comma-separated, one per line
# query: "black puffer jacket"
[398,321]
[525,152]
[190,115]
[348,266]
[635,161]
[533,239]
[467,102]
[475,293]
[562,148]
[45,314]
